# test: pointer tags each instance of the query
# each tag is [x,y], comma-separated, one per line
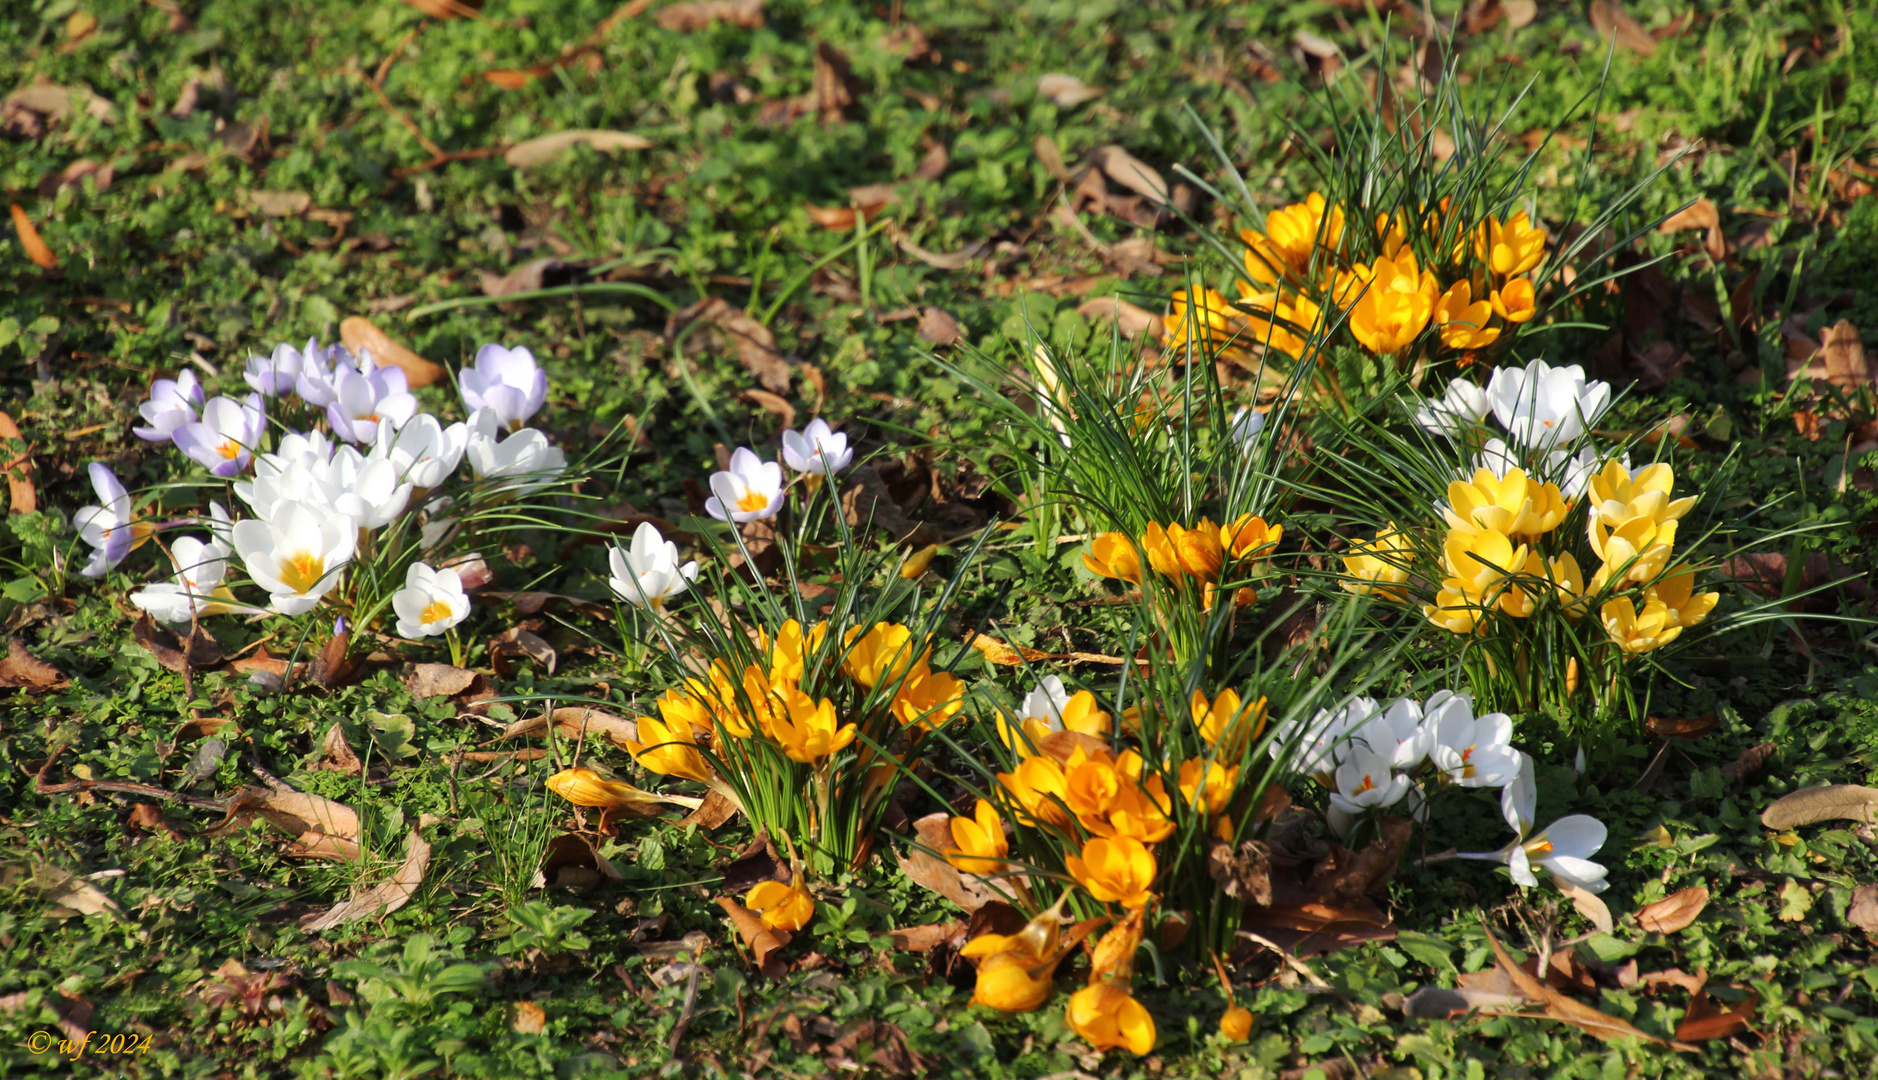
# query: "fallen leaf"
[148,817]
[1132,173]
[519,643]
[1686,728]
[573,861]
[527,1018]
[524,278]
[699,14]
[63,889]
[1316,44]
[1863,912]
[1130,320]
[1749,762]
[576,721]
[534,601]
[22,670]
[774,404]
[997,652]
[1849,802]
[1440,1003]
[710,814]
[1705,1020]
[1610,19]
[952,260]
[834,87]
[1050,157]
[1066,91]
[932,164]
[938,327]
[199,650]
[1346,875]
[337,755]
[1700,214]
[446,9]
[35,248]
[1312,929]
[280,203]
[322,827]
[383,898]
[752,342]
[1560,1007]
[925,938]
[1843,352]
[74,173]
[1673,912]
[438,680]
[545,148]
[934,873]
[1243,873]
[357,332]
[1676,977]
[1588,903]
[22,496]
[762,942]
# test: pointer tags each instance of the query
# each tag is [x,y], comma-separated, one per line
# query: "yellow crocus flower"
[1379,565]
[1639,633]
[1675,590]
[1510,248]
[1207,785]
[788,657]
[1112,555]
[980,839]
[1115,870]
[780,906]
[1248,535]
[1226,723]
[806,729]
[883,654]
[1106,1015]
[1396,306]
[1515,301]
[1038,784]
[669,750]
[1163,550]
[1208,322]
[1463,320]
[928,698]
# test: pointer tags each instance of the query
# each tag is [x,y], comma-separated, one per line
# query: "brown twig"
[1291,961]
[690,1009]
[399,115]
[384,66]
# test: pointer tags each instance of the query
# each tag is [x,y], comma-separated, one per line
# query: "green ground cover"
[258,173]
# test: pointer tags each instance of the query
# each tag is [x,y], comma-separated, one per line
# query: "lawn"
[273,844]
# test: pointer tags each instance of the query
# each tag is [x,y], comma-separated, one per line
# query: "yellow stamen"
[229,449]
[752,500]
[435,611]
[303,571]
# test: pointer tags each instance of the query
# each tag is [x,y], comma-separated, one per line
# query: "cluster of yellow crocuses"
[1494,559]
[1178,553]
[1302,267]
[767,700]
[1109,812]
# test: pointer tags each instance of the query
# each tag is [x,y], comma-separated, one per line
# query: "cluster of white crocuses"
[368,460]
[647,573]
[1545,413]
[1373,756]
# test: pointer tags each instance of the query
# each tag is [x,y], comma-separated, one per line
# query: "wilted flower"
[648,573]
[297,555]
[781,907]
[1461,408]
[431,602]
[225,439]
[109,528]
[506,381]
[818,450]
[366,400]
[749,490]
[1543,406]
[173,403]
[1014,970]
[584,787]
[273,375]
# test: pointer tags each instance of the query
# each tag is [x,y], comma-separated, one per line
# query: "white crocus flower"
[225,438]
[1564,850]
[276,374]
[424,451]
[431,602]
[173,403]
[1045,702]
[1520,797]
[297,555]
[647,573]
[201,567]
[1463,407]
[508,382]
[1398,733]
[1321,741]
[1468,751]
[110,528]
[370,491]
[1543,406]
[320,369]
[817,450]
[1246,425]
[1365,780]
[750,489]
[526,456]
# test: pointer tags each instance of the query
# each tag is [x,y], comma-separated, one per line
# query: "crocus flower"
[1235,1024]
[297,555]
[1106,1015]
[780,906]
[173,403]
[1113,555]
[1014,970]
[747,491]
[1396,305]
[807,729]
[584,787]
[506,381]
[1563,849]
[276,374]
[817,451]
[1379,566]
[1639,632]
[431,602]
[1515,301]
[670,750]
[320,369]
[368,399]
[1320,740]
[365,489]
[424,451]
[1511,248]
[109,528]
[1398,732]
[1463,319]
[1545,406]
[1115,870]
[1461,408]
[1245,426]
[525,458]
[1468,751]
[982,846]
[196,588]
[1365,782]
[226,437]
[884,654]
[648,573]
[1226,723]
[1282,253]
[1050,708]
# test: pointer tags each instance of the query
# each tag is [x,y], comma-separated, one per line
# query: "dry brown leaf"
[834,87]
[1130,320]
[925,938]
[944,261]
[1050,157]
[938,327]
[1560,1007]
[198,650]
[1673,912]
[1849,802]
[1244,873]
[1863,912]
[76,171]
[1749,762]
[322,828]
[337,755]
[1691,727]
[527,1018]
[519,643]
[438,680]
[1701,214]
[1066,91]
[1132,173]
[1705,1020]
[932,164]
[64,889]
[280,203]
[713,812]
[774,404]
[22,670]
[574,721]
[1588,903]
[762,942]
[700,14]
[1440,1003]
[1316,44]
[1843,353]
[524,278]
[753,343]
[357,332]
[1610,18]
[383,898]
[933,873]
[35,248]
[446,9]
[1676,977]
[545,148]
[22,496]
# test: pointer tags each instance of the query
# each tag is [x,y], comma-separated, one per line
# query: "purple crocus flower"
[367,398]
[107,528]
[505,380]
[173,403]
[225,439]
[271,376]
